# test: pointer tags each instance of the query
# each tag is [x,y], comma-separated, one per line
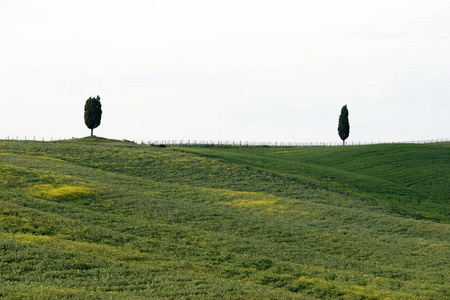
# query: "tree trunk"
[92,132]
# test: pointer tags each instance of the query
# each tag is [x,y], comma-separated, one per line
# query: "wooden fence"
[194,143]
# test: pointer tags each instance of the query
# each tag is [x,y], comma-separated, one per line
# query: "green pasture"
[103,219]
[414,178]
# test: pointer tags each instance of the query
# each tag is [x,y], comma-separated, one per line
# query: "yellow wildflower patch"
[252,200]
[254,203]
[106,251]
[62,192]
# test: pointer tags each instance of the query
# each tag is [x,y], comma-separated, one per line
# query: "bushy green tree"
[92,113]
[344,126]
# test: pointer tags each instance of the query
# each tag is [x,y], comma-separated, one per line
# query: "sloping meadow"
[121,221]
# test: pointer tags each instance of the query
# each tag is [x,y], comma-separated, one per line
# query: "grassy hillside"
[113,220]
[414,178]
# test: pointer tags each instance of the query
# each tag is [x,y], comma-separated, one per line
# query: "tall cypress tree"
[344,126]
[92,113]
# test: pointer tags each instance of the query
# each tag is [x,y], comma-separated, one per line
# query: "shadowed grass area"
[102,221]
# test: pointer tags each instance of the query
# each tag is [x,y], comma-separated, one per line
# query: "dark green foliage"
[92,113]
[344,126]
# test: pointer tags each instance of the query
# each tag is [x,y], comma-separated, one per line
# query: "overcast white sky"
[245,70]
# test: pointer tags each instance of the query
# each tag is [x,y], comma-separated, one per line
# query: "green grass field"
[102,219]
